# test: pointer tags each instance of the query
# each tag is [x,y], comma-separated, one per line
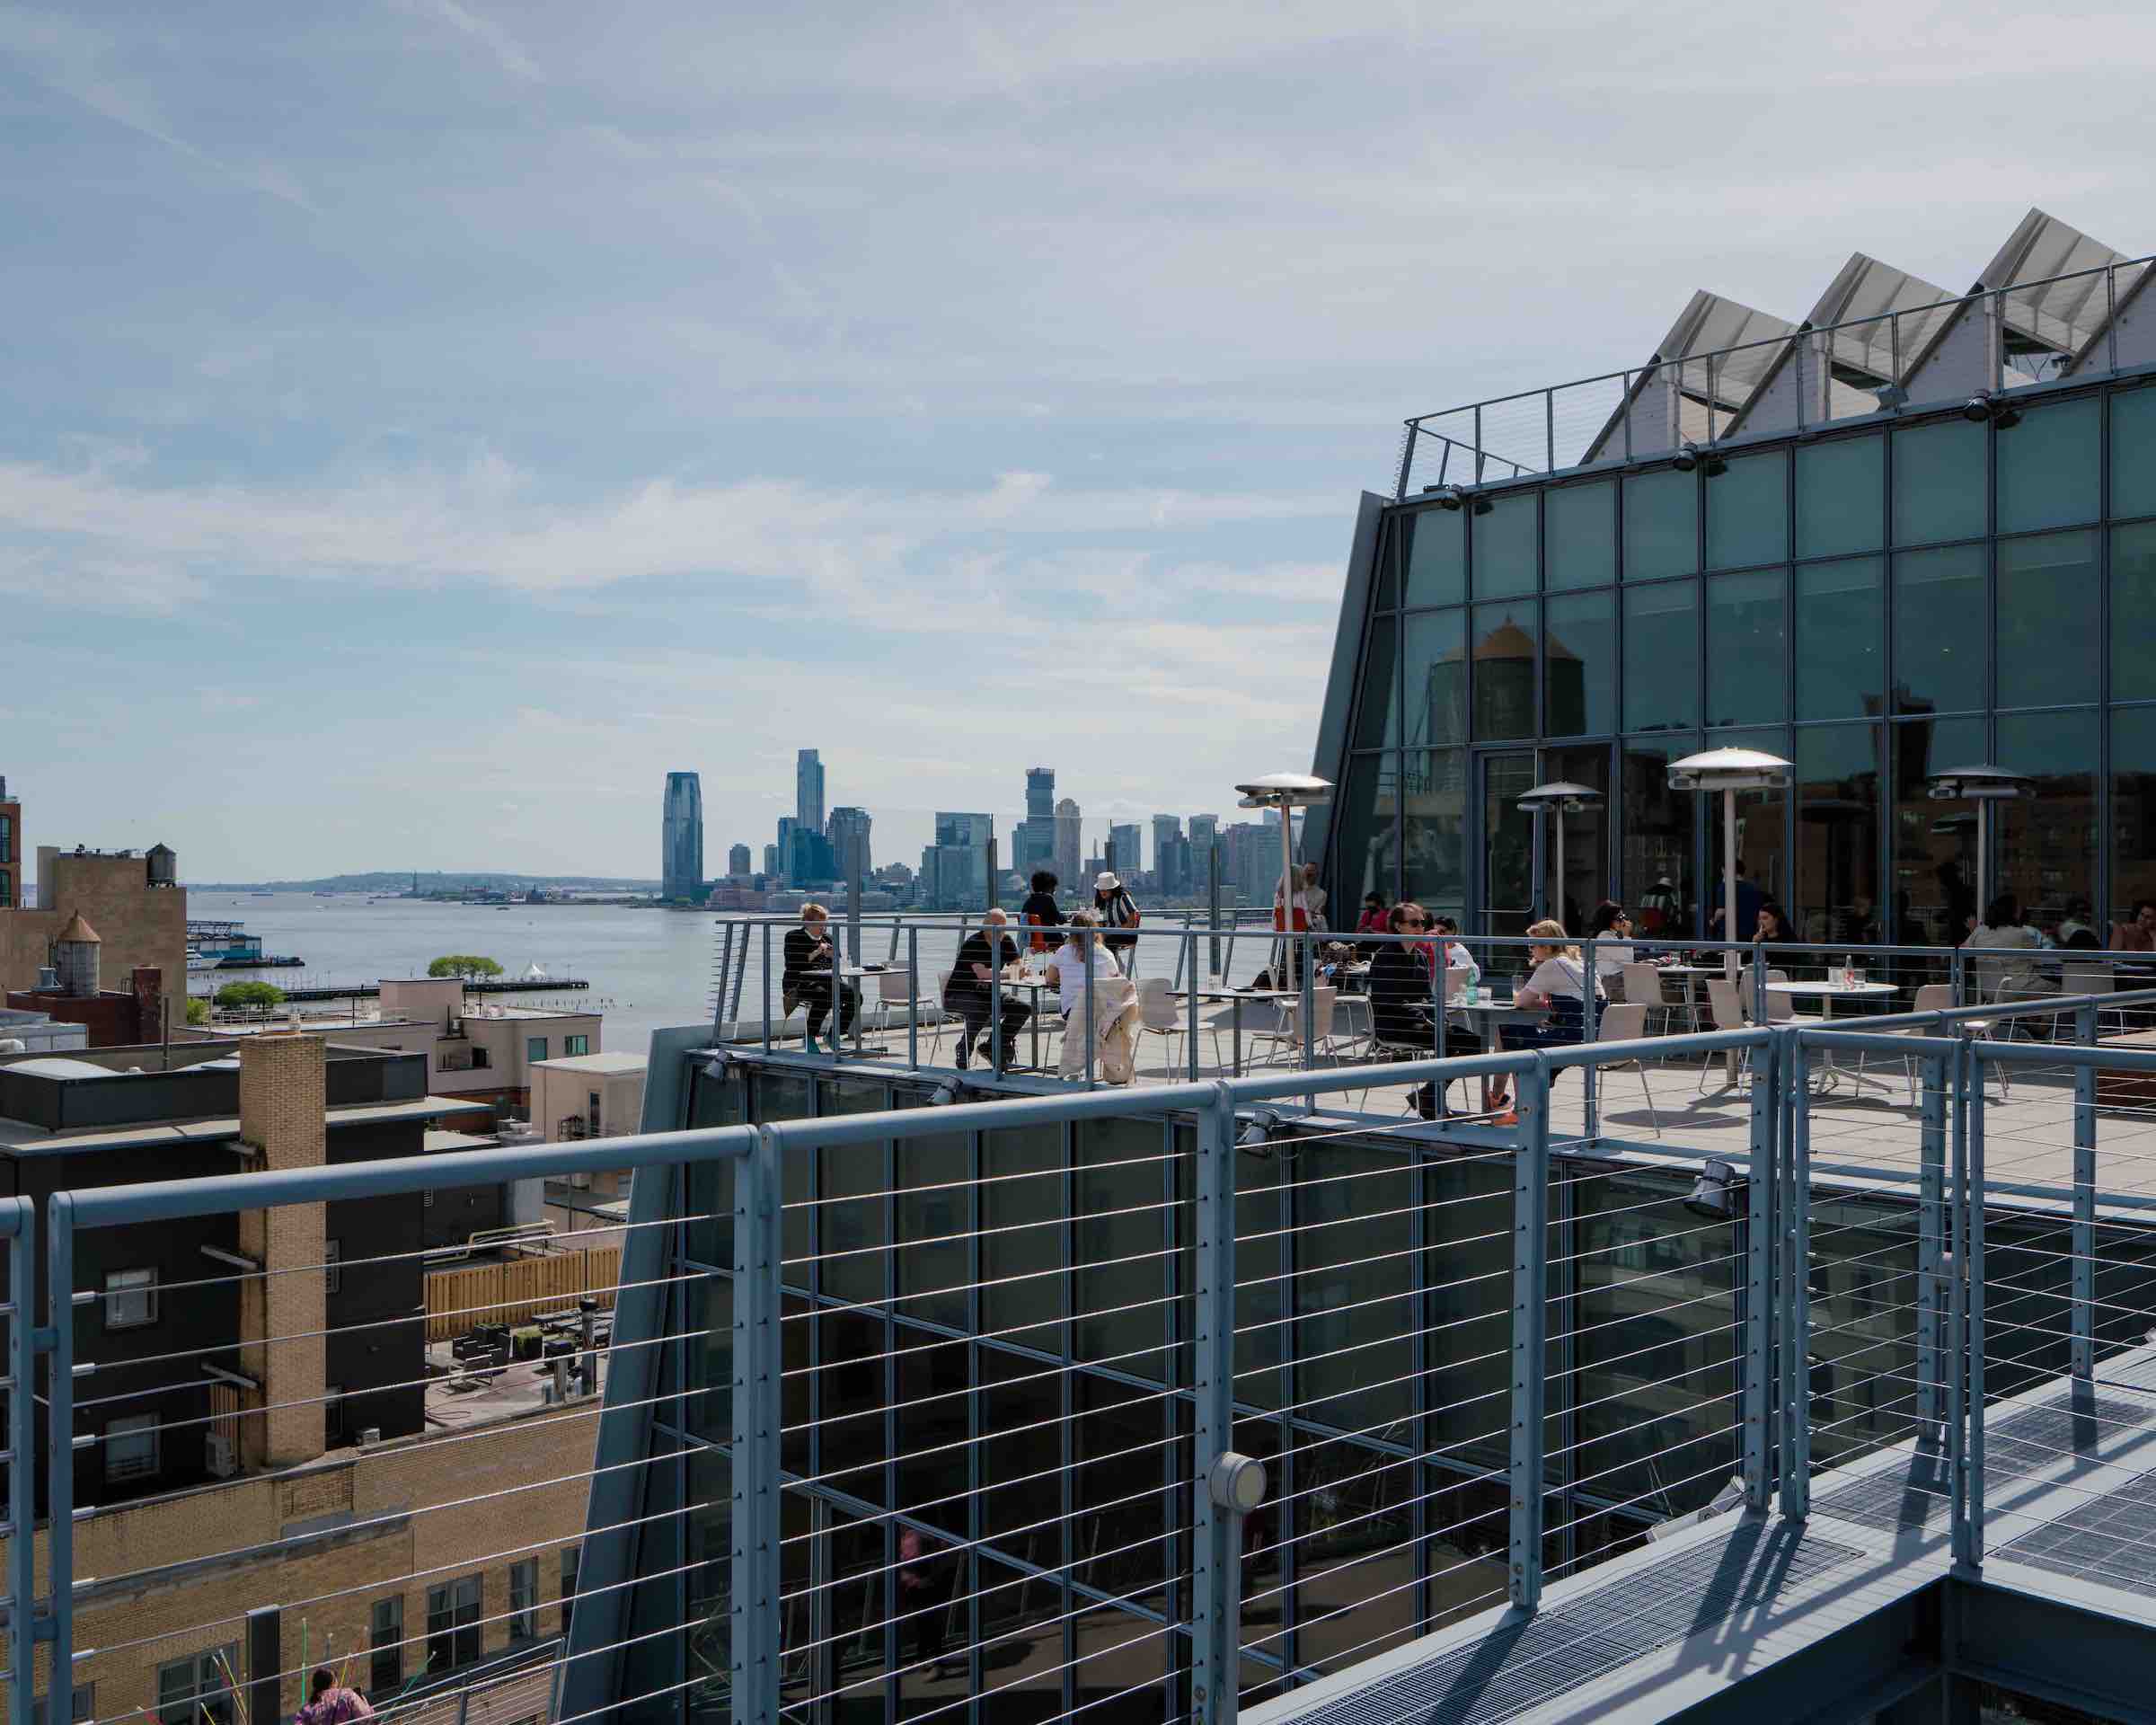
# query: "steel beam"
[1530,1328]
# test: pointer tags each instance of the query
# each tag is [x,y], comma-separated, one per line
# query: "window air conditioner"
[222,1464]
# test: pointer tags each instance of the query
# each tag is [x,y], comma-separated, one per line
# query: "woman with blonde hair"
[1557,988]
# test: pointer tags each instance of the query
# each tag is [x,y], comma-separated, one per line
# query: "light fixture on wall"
[1714,1191]
[1256,1136]
[1686,458]
[1984,406]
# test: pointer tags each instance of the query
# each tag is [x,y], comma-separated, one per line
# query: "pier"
[373,990]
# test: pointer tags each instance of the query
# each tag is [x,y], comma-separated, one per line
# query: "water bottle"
[1849,969]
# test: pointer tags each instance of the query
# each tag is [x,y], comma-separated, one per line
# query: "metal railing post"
[1216,1547]
[912,994]
[1530,1330]
[1095,946]
[1974,1550]
[1407,464]
[726,976]
[2082,1350]
[1955,976]
[1965,1069]
[1307,953]
[765,1015]
[756,1614]
[1589,1017]
[1795,1227]
[1190,1010]
[23,1457]
[1760,1252]
[1548,431]
[1932,1248]
[59,1439]
[994,935]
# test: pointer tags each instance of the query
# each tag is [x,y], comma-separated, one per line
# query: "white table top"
[1250,994]
[1456,1004]
[1810,989]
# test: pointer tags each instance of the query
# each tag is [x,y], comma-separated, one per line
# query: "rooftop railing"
[1850,369]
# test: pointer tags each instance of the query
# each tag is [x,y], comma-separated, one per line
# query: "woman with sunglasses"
[1610,930]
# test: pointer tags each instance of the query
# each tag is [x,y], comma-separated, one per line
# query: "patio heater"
[1286,791]
[1729,771]
[1983,786]
[1559,797]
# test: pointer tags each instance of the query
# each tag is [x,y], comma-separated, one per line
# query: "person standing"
[971,996]
[1314,897]
[330,1703]
[1041,911]
[811,966]
[1116,908]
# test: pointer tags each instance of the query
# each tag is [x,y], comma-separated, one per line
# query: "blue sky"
[431,421]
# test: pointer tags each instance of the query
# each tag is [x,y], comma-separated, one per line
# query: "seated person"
[1084,951]
[1456,956]
[971,996]
[808,951]
[1401,1012]
[2006,977]
[1557,987]
[1612,932]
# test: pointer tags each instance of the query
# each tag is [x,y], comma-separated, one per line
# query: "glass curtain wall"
[1875,605]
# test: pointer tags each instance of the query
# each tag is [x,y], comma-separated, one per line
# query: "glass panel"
[1657,829]
[1467,1273]
[1762,843]
[2133,606]
[852,1245]
[2047,619]
[1260,1297]
[1579,531]
[1436,863]
[1353,1520]
[1507,845]
[1662,657]
[1748,512]
[1120,1489]
[1586,835]
[934,1200]
[1377,721]
[1841,638]
[857,1606]
[1386,596]
[1938,634]
[1436,557]
[1504,545]
[1747,645]
[1661,525]
[931,1425]
[1366,826]
[2047,842]
[1353,1298]
[1504,670]
[1021,1646]
[2049,471]
[1436,677]
[1123,1204]
[1022,1447]
[1863,1286]
[2133,827]
[1938,482]
[1579,667]
[1113,1652]
[853,1388]
[1838,784]
[2133,451]
[1841,496]
[1934,843]
[1021,1245]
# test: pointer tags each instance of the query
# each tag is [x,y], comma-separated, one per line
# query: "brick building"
[133,901]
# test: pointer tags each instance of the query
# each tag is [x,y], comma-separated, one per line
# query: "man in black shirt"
[981,954]
[809,955]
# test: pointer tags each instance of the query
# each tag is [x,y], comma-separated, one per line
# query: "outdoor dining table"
[1690,975]
[1034,985]
[1488,1014]
[1826,993]
[847,973]
[1237,996]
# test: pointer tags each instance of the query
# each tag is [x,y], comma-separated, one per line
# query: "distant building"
[809,860]
[809,790]
[132,900]
[783,867]
[1033,839]
[75,995]
[1126,846]
[771,860]
[1171,859]
[848,832]
[954,870]
[737,864]
[11,849]
[1067,842]
[681,850]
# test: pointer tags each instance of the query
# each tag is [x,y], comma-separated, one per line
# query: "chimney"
[148,982]
[75,954]
[283,1097]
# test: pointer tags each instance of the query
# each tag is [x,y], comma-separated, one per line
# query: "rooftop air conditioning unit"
[218,1456]
[370,1436]
[581,1180]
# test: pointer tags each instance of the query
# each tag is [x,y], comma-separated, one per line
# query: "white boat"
[197,960]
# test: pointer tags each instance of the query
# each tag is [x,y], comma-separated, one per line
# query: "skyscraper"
[681,838]
[771,861]
[1167,856]
[737,861]
[1067,852]
[954,870]
[848,831]
[787,824]
[1033,844]
[809,790]
[1127,845]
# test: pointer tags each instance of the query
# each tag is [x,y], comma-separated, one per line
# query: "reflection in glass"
[851,1217]
[2133,609]
[1762,843]
[934,1421]
[1113,1652]
[1841,638]
[1021,1226]
[1435,673]
[1504,547]
[1657,828]
[1467,1379]
[1507,843]
[1504,670]
[2133,812]
[933,1219]
[1579,666]
[1354,1524]
[1120,1489]
[1261,1293]
[1435,865]
[1939,481]
[1436,557]
[2133,451]
[2049,470]
[1938,634]
[1661,525]
[1021,1447]
[1367,820]
[2047,842]
[1841,496]
[1662,657]
[1746,647]
[1122,1253]
[1377,722]
[1934,853]
[1021,1645]
[1838,788]
[2047,620]
[1864,1297]
[853,1389]
[1354,1302]
[1748,512]
[1579,528]
[1586,835]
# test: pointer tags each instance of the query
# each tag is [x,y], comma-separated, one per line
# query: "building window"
[7,889]
[85,1694]
[332,1415]
[571,1045]
[591,1114]
[454,1634]
[332,1266]
[523,1599]
[130,1298]
[131,1447]
[198,1690]
[385,1636]
[569,1557]
[534,1048]
[479,1058]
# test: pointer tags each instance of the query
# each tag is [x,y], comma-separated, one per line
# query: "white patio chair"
[1627,1022]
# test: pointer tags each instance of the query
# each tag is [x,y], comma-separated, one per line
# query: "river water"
[647,968]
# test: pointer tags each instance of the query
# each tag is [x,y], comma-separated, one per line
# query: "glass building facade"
[1874,601]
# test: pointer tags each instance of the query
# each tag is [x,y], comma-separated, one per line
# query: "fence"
[518,1289]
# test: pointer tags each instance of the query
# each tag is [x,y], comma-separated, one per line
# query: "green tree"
[198,1011]
[467,965]
[246,996]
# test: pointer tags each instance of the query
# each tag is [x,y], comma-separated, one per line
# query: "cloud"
[488,34]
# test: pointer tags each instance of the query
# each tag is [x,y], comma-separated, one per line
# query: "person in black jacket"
[968,994]
[1040,911]
[1400,1000]
[809,951]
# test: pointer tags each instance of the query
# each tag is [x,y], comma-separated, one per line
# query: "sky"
[431,421]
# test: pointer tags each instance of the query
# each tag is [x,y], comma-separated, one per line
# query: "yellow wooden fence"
[518,1289]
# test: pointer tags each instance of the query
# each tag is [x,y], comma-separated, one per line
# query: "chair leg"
[1653,1119]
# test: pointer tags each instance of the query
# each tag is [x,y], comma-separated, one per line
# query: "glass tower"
[681,838]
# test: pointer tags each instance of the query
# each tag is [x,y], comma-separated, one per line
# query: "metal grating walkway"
[1519,1665]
